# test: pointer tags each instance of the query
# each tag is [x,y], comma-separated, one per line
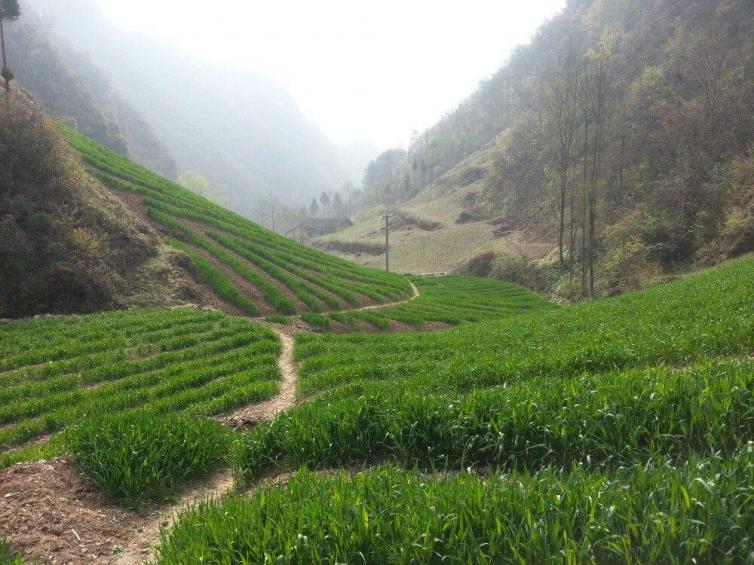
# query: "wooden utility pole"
[387,242]
[7,75]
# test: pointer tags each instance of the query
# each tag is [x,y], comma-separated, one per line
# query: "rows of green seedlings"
[449,300]
[55,371]
[137,457]
[708,314]
[696,512]
[318,280]
[621,432]
[594,420]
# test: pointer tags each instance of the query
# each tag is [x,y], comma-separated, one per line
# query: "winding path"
[415,294]
[141,547]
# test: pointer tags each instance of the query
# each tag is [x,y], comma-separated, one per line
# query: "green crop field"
[708,314]
[288,277]
[56,371]
[615,431]
[449,300]
[619,430]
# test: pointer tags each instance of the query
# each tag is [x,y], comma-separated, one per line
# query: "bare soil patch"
[50,510]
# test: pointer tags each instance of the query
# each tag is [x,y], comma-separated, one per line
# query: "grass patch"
[7,555]
[595,421]
[136,458]
[697,512]
[317,320]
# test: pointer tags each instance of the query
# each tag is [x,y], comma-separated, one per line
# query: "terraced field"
[447,300]
[253,269]
[57,371]
[616,431]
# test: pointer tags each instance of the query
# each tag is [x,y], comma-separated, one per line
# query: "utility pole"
[387,242]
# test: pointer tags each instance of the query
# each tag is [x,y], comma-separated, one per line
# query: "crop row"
[313,277]
[450,300]
[698,512]
[594,420]
[220,365]
[710,314]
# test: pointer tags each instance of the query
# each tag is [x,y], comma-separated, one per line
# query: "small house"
[309,228]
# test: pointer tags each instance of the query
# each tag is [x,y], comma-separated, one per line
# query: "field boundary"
[141,548]
[253,414]
[415,294]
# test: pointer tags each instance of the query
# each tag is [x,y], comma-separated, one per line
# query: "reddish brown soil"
[246,288]
[285,400]
[431,326]
[49,510]
[135,203]
[203,229]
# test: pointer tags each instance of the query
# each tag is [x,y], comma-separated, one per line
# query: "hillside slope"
[70,86]
[638,114]
[235,127]
[254,270]
[66,245]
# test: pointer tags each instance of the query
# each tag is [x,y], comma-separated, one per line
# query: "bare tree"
[562,124]
[9,10]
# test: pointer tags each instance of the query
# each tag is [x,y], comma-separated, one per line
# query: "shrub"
[136,458]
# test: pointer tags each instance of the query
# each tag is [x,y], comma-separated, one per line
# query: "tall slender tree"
[9,10]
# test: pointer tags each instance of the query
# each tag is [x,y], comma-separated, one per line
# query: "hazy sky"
[359,69]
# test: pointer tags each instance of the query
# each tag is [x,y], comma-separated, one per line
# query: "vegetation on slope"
[65,245]
[621,137]
[56,371]
[450,300]
[586,383]
[619,430]
[704,315]
[284,272]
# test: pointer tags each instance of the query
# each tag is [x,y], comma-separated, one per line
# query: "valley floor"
[619,430]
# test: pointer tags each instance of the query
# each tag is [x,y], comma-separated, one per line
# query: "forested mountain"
[620,140]
[236,128]
[71,86]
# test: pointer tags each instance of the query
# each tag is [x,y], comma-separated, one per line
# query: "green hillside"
[611,150]
[253,269]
